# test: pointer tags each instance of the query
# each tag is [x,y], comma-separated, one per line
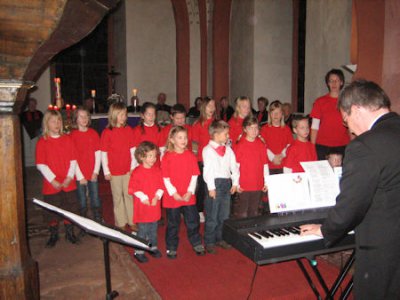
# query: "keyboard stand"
[330,293]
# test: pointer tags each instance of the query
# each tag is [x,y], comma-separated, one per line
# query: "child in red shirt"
[180,171]
[277,137]
[201,137]
[56,161]
[148,130]
[242,110]
[116,144]
[87,145]
[146,187]
[178,118]
[301,149]
[251,155]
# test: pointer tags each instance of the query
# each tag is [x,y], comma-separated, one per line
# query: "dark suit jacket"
[369,202]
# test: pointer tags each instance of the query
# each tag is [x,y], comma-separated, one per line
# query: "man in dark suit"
[369,201]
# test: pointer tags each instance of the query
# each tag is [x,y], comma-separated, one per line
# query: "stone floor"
[77,271]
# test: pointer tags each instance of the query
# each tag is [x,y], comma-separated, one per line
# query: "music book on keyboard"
[317,187]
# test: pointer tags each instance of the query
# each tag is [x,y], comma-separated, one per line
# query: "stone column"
[18,271]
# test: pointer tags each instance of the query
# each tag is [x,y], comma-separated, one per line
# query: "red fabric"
[165,132]
[201,136]
[299,152]
[147,133]
[276,139]
[147,181]
[86,144]
[117,142]
[220,150]
[252,156]
[57,154]
[331,131]
[236,129]
[179,168]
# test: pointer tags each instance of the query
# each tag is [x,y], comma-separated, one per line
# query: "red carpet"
[226,275]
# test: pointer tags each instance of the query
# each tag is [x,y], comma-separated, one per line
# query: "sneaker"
[202,218]
[224,245]
[171,254]
[211,249]
[156,253]
[199,249]
[140,257]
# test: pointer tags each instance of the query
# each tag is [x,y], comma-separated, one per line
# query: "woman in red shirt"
[327,129]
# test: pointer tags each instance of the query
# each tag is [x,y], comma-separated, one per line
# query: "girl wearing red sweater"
[242,110]
[146,186]
[251,155]
[56,161]
[180,171]
[87,145]
[201,137]
[116,147]
[277,137]
[148,130]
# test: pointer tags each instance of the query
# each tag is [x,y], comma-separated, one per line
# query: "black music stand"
[105,233]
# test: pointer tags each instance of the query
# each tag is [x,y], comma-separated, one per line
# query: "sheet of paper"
[324,184]
[288,192]
[94,227]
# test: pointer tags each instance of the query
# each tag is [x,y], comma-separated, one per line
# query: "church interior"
[103,49]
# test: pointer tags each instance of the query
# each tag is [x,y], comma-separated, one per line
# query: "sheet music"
[94,227]
[324,184]
[288,192]
[316,188]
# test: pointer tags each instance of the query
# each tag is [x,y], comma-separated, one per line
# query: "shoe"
[133,228]
[140,257]
[70,235]
[171,254]
[199,249]
[53,237]
[224,245]
[202,218]
[211,249]
[156,253]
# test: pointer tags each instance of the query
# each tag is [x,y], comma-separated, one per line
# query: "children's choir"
[150,168]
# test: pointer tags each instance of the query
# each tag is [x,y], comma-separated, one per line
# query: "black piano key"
[255,235]
[274,232]
[265,234]
[292,230]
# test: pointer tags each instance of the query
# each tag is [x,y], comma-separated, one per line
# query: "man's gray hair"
[363,93]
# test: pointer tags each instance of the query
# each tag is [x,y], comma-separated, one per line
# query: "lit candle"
[134,92]
[73,107]
[55,107]
[68,107]
[93,93]
[50,107]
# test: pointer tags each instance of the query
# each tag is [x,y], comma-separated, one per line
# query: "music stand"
[105,233]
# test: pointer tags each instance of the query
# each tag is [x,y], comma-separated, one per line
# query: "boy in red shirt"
[146,187]
[301,149]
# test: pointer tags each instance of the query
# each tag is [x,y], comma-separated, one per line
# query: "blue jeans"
[192,221]
[95,202]
[217,211]
[148,231]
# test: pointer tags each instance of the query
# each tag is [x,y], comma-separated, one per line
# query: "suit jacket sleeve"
[358,186]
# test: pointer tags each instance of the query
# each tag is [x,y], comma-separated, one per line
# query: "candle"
[68,107]
[50,107]
[134,92]
[93,93]
[55,107]
[73,107]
